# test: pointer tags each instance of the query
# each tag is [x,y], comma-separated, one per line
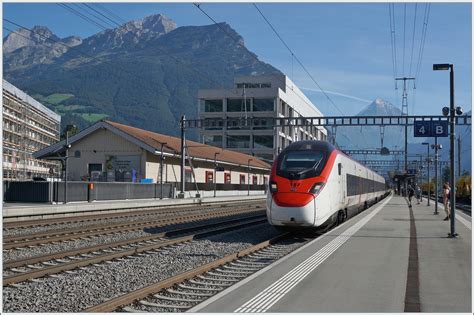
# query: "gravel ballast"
[50,248]
[95,284]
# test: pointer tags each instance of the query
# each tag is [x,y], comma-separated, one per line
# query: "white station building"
[258,97]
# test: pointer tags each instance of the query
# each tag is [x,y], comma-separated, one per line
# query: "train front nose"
[291,209]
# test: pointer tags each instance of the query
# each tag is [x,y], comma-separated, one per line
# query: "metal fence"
[81,191]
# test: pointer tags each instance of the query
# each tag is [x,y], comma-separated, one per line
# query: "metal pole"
[436,176]
[161,171]
[406,145]
[452,123]
[215,172]
[459,156]
[429,183]
[248,177]
[183,154]
[65,166]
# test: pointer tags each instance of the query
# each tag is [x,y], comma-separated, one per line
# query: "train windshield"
[300,164]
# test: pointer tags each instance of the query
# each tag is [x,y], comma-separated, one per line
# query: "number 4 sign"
[431,129]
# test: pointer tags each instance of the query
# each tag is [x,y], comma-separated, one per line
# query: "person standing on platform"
[446,192]
[418,194]
[411,192]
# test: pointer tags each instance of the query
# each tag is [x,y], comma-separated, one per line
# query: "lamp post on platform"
[451,112]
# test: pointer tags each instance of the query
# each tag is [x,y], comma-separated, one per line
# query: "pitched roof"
[151,141]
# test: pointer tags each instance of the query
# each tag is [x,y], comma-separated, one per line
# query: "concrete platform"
[28,211]
[368,264]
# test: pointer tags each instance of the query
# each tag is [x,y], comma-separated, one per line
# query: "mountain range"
[145,73]
[370,137]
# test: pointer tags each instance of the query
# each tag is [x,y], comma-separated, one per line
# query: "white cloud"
[338,94]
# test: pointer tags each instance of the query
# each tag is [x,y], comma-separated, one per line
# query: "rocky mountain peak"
[380,107]
[128,35]
[39,35]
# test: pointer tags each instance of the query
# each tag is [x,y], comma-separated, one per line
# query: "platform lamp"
[428,170]
[451,112]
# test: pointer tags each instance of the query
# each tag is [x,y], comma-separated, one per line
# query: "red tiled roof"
[195,149]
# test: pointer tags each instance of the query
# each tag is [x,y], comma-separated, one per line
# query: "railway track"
[96,218]
[183,291]
[51,265]
[37,239]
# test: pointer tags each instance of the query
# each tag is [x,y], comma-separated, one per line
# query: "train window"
[300,164]
[339,168]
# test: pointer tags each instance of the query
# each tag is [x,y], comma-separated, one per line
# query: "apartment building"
[258,97]
[28,126]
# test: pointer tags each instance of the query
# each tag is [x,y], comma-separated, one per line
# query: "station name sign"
[431,128]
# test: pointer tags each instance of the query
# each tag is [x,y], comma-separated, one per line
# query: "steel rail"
[85,250]
[112,304]
[116,214]
[33,240]
[107,257]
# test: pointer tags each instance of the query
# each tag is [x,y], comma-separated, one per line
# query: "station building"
[257,96]
[28,126]
[111,152]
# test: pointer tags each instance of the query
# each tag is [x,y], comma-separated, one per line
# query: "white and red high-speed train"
[312,184]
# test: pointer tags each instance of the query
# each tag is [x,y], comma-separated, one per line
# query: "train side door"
[342,182]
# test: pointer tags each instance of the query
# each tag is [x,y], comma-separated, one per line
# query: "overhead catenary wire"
[95,14]
[82,16]
[422,46]
[297,59]
[101,14]
[404,36]
[238,42]
[188,66]
[110,12]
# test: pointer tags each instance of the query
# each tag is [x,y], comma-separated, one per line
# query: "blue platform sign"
[440,128]
[431,128]
[411,171]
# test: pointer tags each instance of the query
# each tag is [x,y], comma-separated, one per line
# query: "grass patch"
[92,118]
[57,98]
[68,108]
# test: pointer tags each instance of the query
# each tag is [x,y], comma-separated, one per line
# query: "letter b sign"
[440,129]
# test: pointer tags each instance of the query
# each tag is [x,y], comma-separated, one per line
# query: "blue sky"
[346,46]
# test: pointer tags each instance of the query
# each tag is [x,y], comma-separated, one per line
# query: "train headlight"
[273,187]
[316,189]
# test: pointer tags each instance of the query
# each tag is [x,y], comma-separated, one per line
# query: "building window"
[262,123]
[213,124]
[209,177]
[254,180]
[211,106]
[238,142]
[262,105]
[227,179]
[266,157]
[188,175]
[260,142]
[215,140]
[242,179]
[237,105]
